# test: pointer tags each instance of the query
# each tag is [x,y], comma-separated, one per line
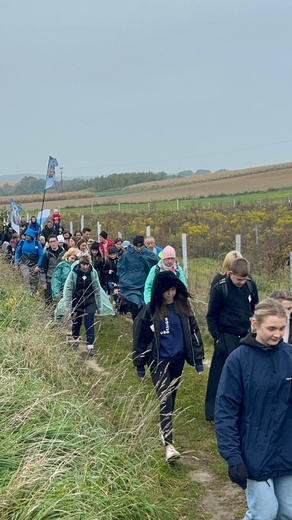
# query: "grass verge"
[79,443]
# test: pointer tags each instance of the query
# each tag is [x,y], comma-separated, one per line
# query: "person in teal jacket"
[62,271]
[167,263]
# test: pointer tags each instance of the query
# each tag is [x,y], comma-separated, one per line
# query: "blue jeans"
[269,500]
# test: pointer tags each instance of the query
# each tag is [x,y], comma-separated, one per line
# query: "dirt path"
[90,362]
[219,499]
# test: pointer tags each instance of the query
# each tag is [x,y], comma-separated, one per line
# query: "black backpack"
[225,289]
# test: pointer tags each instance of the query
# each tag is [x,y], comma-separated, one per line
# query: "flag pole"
[50,181]
[42,208]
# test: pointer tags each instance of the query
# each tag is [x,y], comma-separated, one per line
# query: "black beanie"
[103,234]
[94,246]
[112,250]
[138,241]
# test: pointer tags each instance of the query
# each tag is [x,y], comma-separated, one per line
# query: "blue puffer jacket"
[253,412]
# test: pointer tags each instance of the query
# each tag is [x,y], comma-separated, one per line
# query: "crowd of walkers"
[249,390]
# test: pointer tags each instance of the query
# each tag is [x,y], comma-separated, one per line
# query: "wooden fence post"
[184,255]
[238,243]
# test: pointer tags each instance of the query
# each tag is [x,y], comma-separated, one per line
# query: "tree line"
[31,185]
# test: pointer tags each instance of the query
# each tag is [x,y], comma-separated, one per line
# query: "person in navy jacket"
[253,415]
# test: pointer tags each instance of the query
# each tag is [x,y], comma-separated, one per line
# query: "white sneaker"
[90,349]
[75,344]
[171,454]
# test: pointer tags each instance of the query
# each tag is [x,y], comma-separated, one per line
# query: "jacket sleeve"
[148,285]
[106,267]
[68,291]
[122,269]
[18,252]
[255,298]
[142,337]
[227,410]
[56,281]
[40,253]
[197,341]
[182,276]
[44,268]
[214,308]
[96,288]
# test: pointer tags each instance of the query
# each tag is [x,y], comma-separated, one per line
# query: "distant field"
[240,184]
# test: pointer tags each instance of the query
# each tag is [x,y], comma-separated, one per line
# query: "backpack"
[225,289]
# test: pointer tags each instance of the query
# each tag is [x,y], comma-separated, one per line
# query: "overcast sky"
[137,85]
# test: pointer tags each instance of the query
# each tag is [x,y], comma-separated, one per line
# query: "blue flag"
[50,178]
[15,217]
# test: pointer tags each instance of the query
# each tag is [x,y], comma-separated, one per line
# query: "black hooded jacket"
[146,340]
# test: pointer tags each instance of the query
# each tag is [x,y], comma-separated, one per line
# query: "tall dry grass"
[68,450]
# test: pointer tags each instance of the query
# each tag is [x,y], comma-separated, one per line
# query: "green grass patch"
[259,198]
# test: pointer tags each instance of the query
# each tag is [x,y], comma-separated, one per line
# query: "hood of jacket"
[77,269]
[251,341]
[30,232]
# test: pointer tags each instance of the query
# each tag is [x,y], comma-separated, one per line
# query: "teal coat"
[59,278]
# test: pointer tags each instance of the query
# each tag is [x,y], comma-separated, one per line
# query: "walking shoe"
[90,349]
[161,436]
[76,344]
[171,454]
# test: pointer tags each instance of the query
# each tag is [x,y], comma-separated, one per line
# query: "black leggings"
[166,378]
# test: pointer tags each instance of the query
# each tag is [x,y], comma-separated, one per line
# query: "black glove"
[238,474]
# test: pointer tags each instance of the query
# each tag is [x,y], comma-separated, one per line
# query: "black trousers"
[48,293]
[166,379]
[222,349]
[135,310]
